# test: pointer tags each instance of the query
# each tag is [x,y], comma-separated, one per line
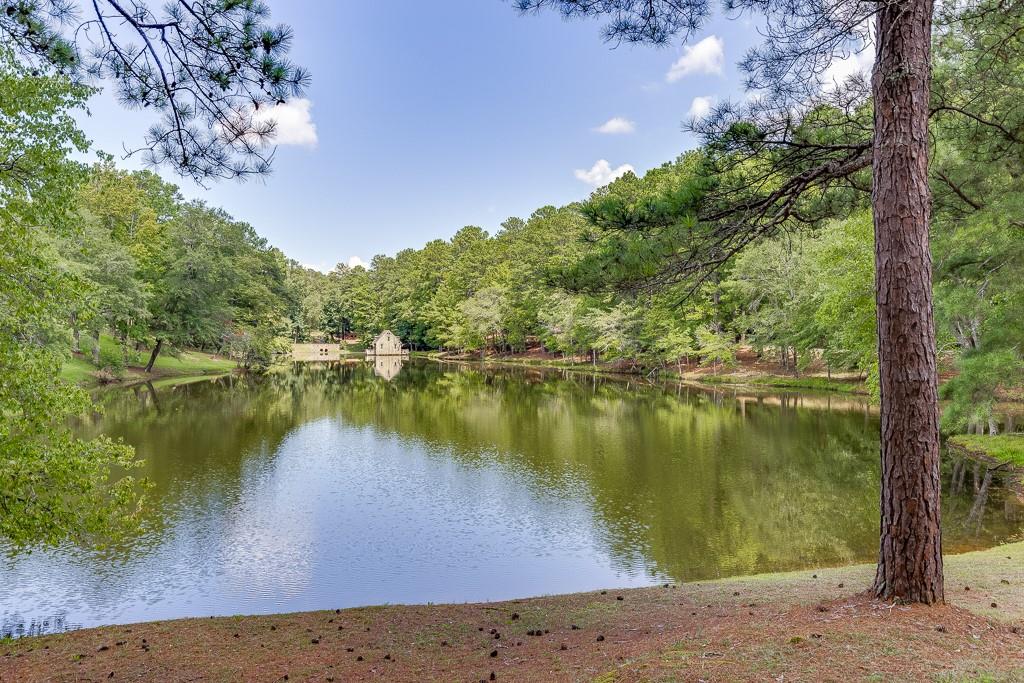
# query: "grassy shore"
[1004,448]
[813,625]
[80,370]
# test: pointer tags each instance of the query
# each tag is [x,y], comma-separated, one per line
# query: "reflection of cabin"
[308,352]
[387,367]
[386,344]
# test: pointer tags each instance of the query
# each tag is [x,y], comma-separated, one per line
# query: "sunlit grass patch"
[1003,447]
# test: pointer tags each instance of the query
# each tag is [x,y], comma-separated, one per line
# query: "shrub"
[112,361]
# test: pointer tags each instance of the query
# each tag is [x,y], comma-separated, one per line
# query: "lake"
[337,485]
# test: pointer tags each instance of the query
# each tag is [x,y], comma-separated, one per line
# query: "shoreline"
[803,625]
[756,380]
[188,364]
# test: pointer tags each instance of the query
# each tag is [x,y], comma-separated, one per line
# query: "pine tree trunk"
[910,554]
[152,356]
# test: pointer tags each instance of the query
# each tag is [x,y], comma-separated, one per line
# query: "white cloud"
[842,69]
[354,261]
[616,126]
[294,122]
[706,57]
[322,267]
[701,106]
[602,173]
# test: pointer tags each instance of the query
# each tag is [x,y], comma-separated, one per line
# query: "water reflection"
[386,367]
[328,485]
[970,480]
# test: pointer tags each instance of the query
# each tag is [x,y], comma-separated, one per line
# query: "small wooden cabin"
[315,352]
[386,344]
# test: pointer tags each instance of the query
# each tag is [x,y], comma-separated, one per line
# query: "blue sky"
[430,116]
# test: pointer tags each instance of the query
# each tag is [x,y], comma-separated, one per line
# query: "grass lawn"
[1002,447]
[79,368]
[192,362]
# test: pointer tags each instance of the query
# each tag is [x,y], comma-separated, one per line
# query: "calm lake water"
[329,486]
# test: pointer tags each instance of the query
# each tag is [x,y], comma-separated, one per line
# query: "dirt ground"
[814,625]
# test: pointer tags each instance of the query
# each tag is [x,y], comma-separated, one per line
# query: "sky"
[424,117]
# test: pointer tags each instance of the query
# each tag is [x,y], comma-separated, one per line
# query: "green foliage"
[813,293]
[972,392]
[638,225]
[978,167]
[53,486]
[37,132]
[113,361]
[716,348]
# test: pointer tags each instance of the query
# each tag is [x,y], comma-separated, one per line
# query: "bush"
[112,361]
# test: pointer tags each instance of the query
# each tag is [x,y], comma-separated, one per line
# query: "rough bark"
[910,555]
[152,356]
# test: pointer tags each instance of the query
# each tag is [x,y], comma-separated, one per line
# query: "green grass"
[192,362]
[1002,447]
[818,383]
[79,368]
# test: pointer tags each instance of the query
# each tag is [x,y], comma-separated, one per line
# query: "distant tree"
[190,302]
[804,37]
[563,323]
[715,348]
[209,66]
[771,278]
[676,346]
[309,291]
[483,315]
[114,297]
[841,273]
[611,331]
